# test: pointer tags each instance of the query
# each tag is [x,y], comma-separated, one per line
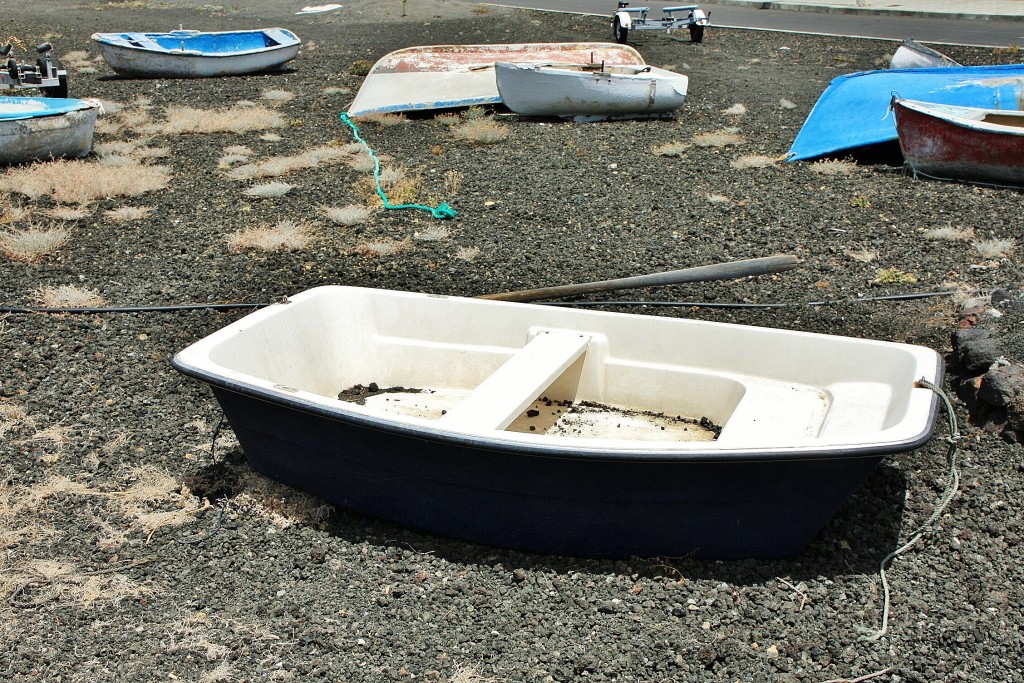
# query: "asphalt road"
[990,32]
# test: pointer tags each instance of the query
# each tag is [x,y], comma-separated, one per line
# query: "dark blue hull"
[724,508]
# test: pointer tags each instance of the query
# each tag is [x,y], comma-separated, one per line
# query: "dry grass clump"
[75,59]
[383,120]
[127,214]
[115,161]
[994,248]
[482,131]
[118,118]
[432,233]
[362,163]
[69,213]
[234,154]
[285,236]
[447,120]
[12,418]
[671,149]
[834,167]
[277,96]
[452,182]
[67,296]
[13,214]
[379,248]
[397,183]
[80,182]
[50,442]
[280,505]
[113,147]
[33,575]
[146,152]
[237,119]
[467,253]
[752,161]
[862,255]
[721,138]
[32,244]
[283,165]
[464,673]
[268,190]
[353,214]
[950,233]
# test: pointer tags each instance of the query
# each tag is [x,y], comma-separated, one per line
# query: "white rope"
[952,484]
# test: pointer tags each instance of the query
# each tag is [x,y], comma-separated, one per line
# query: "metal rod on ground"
[716,271]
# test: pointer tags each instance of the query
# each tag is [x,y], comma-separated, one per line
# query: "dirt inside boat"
[555,417]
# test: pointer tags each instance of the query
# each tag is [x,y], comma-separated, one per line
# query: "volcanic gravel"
[139,545]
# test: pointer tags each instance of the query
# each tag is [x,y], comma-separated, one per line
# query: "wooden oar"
[716,271]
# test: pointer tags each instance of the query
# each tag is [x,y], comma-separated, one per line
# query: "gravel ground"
[140,547]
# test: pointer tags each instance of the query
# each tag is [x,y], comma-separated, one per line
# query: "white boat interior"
[569,378]
[1006,121]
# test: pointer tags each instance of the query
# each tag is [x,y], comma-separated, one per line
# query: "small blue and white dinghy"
[40,128]
[853,112]
[197,54]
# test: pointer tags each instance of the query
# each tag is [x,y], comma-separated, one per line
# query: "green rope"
[443,211]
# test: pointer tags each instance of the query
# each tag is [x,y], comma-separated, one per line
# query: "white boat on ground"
[197,54]
[564,431]
[41,128]
[590,92]
[447,76]
[913,55]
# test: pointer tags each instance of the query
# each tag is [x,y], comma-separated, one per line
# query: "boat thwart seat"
[505,393]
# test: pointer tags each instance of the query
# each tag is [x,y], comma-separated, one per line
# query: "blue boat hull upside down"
[853,112]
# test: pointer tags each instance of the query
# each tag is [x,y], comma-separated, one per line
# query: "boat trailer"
[44,74]
[628,18]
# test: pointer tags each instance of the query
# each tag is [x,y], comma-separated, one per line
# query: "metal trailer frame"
[45,74]
[628,19]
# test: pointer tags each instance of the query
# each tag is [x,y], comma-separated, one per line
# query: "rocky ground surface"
[139,546]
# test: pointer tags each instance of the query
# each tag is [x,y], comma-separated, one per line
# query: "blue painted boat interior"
[853,111]
[211,42]
[19,108]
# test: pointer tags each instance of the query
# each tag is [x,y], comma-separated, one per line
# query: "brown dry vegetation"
[82,181]
[285,236]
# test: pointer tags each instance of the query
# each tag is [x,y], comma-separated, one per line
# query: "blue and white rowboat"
[195,54]
[40,128]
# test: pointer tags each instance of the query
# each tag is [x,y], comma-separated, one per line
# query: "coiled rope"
[952,484]
[442,211]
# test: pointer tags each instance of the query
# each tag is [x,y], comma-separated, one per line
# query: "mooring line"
[952,485]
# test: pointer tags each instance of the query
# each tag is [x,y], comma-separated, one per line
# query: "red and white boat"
[952,142]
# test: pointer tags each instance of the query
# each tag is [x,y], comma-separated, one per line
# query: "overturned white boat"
[590,92]
[913,55]
[564,431]
[41,128]
[447,76]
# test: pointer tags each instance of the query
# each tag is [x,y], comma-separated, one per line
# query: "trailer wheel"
[620,31]
[59,90]
[696,33]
